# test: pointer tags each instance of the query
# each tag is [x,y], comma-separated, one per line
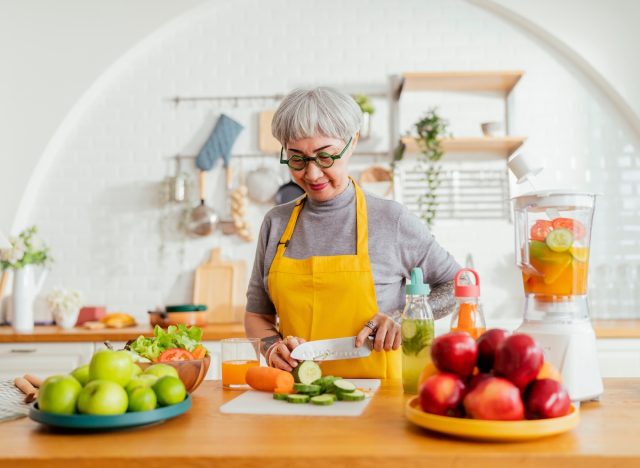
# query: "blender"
[553,234]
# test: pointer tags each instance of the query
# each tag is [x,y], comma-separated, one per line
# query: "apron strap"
[288,231]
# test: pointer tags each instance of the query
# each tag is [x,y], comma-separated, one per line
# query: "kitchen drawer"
[42,359]
[619,357]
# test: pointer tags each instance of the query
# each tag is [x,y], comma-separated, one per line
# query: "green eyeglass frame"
[321,159]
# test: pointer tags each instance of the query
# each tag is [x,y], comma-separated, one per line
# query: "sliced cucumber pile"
[312,387]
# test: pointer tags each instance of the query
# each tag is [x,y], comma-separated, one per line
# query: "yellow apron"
[330,297]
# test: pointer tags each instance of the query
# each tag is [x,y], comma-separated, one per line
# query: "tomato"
[200,352]
[540,229]
[175,354]
[576,227]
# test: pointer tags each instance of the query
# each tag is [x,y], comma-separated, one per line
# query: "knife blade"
[333,349]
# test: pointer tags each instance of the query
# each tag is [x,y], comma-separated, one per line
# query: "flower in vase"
[26,249]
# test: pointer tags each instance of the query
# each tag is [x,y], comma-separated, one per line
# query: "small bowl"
[192,372]
[491,129]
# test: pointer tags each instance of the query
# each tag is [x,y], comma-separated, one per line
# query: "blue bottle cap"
[417,287]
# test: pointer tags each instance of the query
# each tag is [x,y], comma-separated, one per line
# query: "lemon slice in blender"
[580,253]
[559,240]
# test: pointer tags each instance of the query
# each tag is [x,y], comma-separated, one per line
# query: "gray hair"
[306,113]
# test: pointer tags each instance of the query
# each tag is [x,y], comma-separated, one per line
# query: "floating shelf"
[504,146]
[497,81]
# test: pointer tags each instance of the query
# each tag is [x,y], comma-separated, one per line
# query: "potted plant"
[27,251]
[430,129]
[368,109]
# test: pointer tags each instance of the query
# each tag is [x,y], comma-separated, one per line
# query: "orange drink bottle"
[468,316]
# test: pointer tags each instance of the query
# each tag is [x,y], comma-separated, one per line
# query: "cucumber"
[297,398]
[356,395]
[332,395]
[307,389]
[306,372]
[559,240]
[280,396]
[322,400]
[344,386]
[326,383]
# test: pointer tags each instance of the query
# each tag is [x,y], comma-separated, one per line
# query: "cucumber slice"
[307,389]
[326,383]
[344,386]
[306,372]
[559,240]
[331,395]
[322,400]
[280,396]
[297,398]
[356,395]
[408,329]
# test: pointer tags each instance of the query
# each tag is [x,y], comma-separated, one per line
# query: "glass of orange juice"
[238,355]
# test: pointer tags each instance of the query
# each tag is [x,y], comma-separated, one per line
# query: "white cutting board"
[254,402]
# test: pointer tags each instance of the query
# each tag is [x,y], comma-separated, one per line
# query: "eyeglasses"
[322,159]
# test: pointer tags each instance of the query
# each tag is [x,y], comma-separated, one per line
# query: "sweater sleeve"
[258,300]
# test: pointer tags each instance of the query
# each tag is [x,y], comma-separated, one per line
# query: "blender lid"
[555,192]
[554,198]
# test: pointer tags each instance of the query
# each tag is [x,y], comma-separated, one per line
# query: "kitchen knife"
[331,350]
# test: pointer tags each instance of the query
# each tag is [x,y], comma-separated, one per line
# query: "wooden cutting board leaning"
[266,142]
[221,286]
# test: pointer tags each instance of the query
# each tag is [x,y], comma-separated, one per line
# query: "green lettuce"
[179,336]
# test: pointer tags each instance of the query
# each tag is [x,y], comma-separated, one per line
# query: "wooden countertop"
[381,437]
[212,332]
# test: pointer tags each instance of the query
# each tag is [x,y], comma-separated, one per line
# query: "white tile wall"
[101,206]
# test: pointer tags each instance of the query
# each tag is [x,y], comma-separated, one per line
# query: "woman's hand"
[386,330]
[279,355]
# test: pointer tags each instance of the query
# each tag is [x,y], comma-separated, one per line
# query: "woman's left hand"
[386,330]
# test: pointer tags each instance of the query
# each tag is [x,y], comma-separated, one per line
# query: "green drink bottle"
[417,332]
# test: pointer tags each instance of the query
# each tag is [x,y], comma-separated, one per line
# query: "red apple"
[546,398]
[496,399]
[455,352]
[476,379]
[442,394]
[488,343]
[518,359]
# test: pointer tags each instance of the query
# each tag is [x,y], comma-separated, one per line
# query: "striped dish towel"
[12,405]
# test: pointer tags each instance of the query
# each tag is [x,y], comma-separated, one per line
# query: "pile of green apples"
[111,384]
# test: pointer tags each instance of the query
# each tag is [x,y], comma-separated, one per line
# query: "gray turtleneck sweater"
[398,242]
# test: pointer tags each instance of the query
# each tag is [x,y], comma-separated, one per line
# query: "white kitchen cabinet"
[619,357]
[42,359]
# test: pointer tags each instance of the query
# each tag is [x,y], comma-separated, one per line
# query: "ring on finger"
[372,325]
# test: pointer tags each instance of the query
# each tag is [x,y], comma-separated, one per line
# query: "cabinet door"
[42,359]
[619,357]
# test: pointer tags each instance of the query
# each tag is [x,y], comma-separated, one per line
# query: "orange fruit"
[429,370]
[548,371]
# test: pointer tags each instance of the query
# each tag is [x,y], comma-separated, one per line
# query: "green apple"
[169,390]
[160,370]
[135,370]
[115,366]
[102,397]
[144,380]
[81,374]
[59,394]
[142,399]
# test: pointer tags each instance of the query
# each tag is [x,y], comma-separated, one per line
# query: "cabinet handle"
[24,351]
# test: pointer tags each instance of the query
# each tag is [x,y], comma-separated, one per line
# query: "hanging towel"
[219,143]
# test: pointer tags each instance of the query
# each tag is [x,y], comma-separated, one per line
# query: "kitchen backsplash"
[101,206]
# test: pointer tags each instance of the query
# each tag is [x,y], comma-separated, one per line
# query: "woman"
[334,262]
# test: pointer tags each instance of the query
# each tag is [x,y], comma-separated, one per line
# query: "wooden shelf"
[504,146]
[497,81]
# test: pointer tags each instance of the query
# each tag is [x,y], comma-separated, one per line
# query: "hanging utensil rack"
[249,100]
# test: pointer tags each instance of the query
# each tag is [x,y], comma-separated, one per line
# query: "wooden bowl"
[192,372]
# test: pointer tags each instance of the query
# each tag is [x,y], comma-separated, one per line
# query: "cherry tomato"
[576,227]
[540,229]
[175,354]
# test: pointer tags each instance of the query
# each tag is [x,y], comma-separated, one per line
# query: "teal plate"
[120,421]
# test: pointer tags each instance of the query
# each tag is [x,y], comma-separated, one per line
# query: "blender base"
[571,348]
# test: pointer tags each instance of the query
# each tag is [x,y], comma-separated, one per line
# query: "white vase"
[66,320]
[26,285]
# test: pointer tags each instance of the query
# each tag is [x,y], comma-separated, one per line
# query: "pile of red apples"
[494,378]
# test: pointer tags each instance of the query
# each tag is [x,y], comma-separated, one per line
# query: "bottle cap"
[417,287]
[467,290]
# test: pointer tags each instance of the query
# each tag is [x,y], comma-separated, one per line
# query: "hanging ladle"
[203,218]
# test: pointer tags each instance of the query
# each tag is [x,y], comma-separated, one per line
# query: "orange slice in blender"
[551,264]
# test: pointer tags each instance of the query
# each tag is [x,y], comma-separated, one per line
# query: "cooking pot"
[188,314]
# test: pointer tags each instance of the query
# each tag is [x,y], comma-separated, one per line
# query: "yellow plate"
[491,430]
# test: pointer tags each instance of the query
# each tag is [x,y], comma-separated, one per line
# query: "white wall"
[51,54]
[99,200]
